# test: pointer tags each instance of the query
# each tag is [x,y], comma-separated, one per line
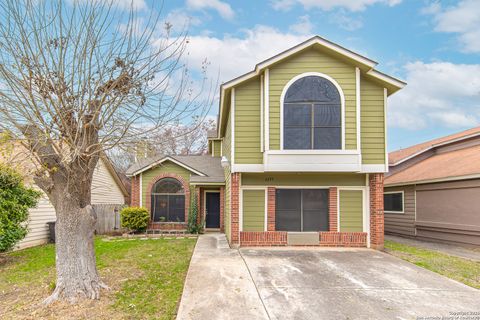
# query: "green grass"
[459,269]
[146,276]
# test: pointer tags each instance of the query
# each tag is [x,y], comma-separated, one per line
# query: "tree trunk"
[77,275]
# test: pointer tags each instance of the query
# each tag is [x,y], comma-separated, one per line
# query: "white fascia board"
[374,168]
[172,160]
[446,179]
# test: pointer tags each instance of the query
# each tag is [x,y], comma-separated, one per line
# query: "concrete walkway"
[314,283]
[218,284]
[450,249]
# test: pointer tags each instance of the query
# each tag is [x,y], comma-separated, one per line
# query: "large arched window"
[168,201]
[312,113]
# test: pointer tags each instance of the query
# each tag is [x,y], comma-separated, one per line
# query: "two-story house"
[298,157]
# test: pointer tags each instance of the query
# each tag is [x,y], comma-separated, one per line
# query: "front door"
[212,208]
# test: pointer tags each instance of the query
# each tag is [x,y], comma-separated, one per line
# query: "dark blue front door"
[212,206]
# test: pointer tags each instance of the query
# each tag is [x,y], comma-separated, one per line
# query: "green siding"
[313,60]
[247,122]
[253,210]
[351,211]
[217,145]
[165,167]
[303,179]
[372,122]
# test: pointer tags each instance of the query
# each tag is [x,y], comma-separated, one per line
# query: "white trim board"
[466,177]
[316,74]
[232,125]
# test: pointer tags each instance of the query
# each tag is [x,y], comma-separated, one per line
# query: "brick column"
[135,189]
[234,208]
[332,209]
[376,211]
[270,209]
[222,204]
[199,204]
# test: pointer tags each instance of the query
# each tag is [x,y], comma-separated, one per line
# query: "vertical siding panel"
[253,210]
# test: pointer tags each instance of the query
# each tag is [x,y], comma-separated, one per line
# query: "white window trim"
[403,201]
[342,102]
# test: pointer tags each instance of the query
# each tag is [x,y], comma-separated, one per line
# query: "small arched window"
[312,113]
[168,201]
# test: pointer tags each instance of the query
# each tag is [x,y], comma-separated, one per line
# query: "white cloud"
[120,4]
[234,56]
[223,9]
[181,20]
[351,5]
[344,21]
[462,19]
[437,94]
[304,26]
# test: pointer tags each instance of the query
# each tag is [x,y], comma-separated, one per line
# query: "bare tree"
[78,78]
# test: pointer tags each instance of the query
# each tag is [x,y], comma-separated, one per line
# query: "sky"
[432,45]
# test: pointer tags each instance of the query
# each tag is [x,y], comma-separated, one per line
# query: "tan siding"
[37,224]
[253,210]
[402,223]
[372,131]
[313,60]
[247,123]
[104,188]
[351,211]
[165,167]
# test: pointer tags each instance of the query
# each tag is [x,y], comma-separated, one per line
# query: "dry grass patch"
[145,278]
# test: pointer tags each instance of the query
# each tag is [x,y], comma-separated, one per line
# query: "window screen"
[168,201]
[312,115]
[301,210]
[393,202]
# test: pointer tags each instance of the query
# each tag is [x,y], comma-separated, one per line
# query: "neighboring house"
[302,143]
[433,189]
[107,192]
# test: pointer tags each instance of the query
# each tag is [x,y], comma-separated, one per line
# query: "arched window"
[312,113]
[168,201]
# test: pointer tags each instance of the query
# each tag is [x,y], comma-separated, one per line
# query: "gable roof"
[453,165]
[204,168]
[399,156]
[367,65]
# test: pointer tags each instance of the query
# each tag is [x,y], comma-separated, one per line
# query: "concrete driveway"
[314,283]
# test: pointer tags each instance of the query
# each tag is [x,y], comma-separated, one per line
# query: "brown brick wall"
[376,211]
[343,239]
[135,194]
[167,226]
[332,209]
[267,238]
[234,208]
[270,209]
[222,204]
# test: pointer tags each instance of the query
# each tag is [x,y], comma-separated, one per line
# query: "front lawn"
[145,276]
[459,269]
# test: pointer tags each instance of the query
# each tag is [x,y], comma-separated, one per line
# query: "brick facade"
[234,208]
[343,239]
[268,238]
[167,226]
[332,209]
[222,204]
[376,211]
[270,209]
[135,194]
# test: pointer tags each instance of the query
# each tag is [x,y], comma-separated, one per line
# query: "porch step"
[212,230]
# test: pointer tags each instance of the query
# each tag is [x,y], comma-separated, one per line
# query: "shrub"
[15,200]
[134,218]
[193,226]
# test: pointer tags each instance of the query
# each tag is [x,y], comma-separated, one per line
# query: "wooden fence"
[108,218]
